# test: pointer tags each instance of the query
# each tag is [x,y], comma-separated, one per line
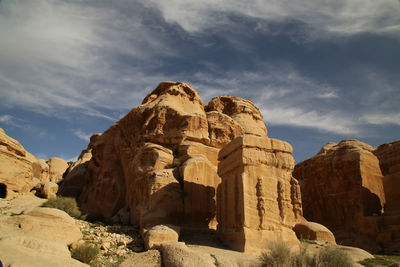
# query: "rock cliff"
[162,164]
[20,171]
[350,187]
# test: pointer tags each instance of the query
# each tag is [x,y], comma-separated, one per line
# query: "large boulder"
[348,187]
[35,252]
[315,232]
[57,168]
[43,223]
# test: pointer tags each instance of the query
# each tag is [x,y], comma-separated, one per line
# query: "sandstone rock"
[177,254]
[200,182]
[31,251]
[149,258]
[47,189]
[159,163]
[389,161]
[314,231]
[222,129]
[242,111]
[71,185]
[57,167]
[158,234]
[343,188]
[259,201]
[43,223]
[41,170]
[170,114]
[16,171]
[20,171]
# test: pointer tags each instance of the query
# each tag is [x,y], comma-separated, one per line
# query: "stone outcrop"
[43,223]
[34,236]
[57,168]
[160,164]
[35,252]
[259,201]
[315,232]
[20,171]
[348,187]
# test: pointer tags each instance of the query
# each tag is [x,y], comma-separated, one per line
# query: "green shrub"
[85,252]
[333,257]
[67,204]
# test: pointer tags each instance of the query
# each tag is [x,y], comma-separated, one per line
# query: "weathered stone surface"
[242,111]
[200,181]
[43,223]
[389,161]
[72,184]
[41,170]
[258,200]
[20,171]
[47,189]
[344,188]
[15,168]
[35,252]
[178,254]
[222,129]
[158,234]
[57,168]
[159,164]
[170,114]
[314,231]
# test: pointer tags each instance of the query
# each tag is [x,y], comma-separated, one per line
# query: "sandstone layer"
[20,171]
[159,165]
[349,187]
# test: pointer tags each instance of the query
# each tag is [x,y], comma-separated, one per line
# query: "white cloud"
[284,97]
[58,56]
[5,119]
[337,17]
[381,119]
[82,135]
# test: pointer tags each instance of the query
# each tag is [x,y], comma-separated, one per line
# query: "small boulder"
[159,234]
[46,189]
[314,231]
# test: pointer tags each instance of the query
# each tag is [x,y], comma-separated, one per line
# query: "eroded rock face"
[242,111]
[259,201]
[57,168]
[20,171]
[343,187]
[159,164]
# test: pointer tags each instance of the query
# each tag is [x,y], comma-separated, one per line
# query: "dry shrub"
[85,252]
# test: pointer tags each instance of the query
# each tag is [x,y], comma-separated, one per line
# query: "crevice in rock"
[3,190]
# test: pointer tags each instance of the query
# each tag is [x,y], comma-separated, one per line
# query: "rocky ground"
[122,245]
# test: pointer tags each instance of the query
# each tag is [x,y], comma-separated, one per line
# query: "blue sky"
[320,71]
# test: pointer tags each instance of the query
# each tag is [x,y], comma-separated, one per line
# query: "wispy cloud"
[333,17]
[82,135]
[381,119]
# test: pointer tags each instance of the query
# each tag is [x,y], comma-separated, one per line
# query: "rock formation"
[259,200]
[349,187]
[160,165]
[20,171]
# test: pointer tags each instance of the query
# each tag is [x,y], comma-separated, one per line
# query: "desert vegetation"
[280,255]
